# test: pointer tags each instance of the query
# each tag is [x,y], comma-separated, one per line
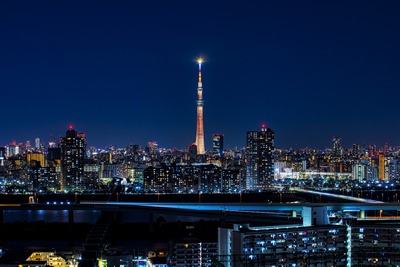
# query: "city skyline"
[126,73]
[37,142]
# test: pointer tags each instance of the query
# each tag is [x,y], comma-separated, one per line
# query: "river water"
[80,216]
[84,216]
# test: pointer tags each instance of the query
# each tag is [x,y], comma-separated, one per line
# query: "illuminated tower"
[200,103]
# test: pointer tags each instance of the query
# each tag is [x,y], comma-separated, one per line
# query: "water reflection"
[80,216]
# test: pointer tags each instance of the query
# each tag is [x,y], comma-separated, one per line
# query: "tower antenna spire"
[200,61]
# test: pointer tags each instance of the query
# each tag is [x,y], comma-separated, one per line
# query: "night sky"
[124,72]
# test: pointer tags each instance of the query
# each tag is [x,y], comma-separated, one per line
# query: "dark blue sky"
[124,71]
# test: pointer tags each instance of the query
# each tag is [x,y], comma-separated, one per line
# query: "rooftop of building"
[246,228]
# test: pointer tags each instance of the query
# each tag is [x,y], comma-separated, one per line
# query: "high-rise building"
[337,146]
[200,124]
[37,143]
[12,149]
[360,170]
[2,155]
[260,165]
[218,144]
[393,169]
[73,151]
[382,166]
[28,147]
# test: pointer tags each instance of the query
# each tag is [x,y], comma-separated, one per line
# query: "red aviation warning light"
[263,127]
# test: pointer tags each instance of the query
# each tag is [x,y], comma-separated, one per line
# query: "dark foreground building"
[73,153]
[259,158]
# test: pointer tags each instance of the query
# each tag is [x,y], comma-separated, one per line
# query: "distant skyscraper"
[200,123]
[28,146]
[337,146]
[383,171]
[260,165]
[37,143]
[218,144]
[12,149]
[2,155]
[152,147]
[73,151]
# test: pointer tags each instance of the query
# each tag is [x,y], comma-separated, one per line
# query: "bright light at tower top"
[200,60]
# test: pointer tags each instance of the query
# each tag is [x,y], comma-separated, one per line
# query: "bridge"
[250,211]
[202,209]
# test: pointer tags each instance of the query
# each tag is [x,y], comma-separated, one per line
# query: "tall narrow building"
[73,151]
[218,144]
[259,159]
[200,123]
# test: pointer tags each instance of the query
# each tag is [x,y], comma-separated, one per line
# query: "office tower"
[382,166]
[12,149]
[218,144]
[37,143]
[73,151]
[393,169]
[260,165]
[360,170]
[2,155]
[337,146]
[28,147]
[200,103]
